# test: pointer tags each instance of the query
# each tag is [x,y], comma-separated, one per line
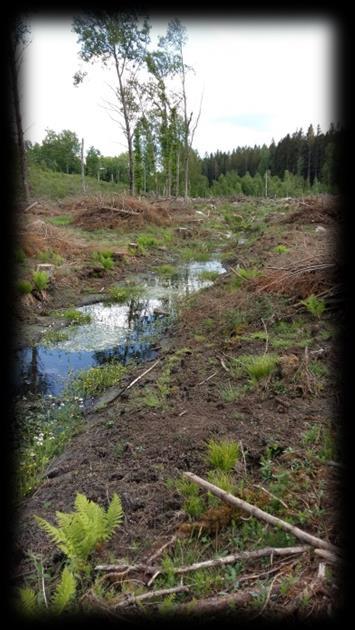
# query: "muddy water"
[118,331]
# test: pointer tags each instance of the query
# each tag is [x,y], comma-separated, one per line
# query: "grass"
[167,270]
[208,275]
[281,249]
[314,305]
[257,367]
[95,380]
[49,256]
[45,429]
[120,295]
[104,258]
[46,184]
[54,336]
[61,220]
[222,455]
[229,392]
[75,317]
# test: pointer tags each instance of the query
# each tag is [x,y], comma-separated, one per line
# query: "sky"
[258,81]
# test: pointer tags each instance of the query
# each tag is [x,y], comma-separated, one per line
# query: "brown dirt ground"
[155,445]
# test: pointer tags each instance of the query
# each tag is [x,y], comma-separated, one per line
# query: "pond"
[122,332]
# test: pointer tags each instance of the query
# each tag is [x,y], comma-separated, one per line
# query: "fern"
[79,532]
[28,601]
[64,592]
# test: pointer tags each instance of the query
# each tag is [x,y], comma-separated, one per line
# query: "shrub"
[24,287]
[104,258]
[314,305]
[40,280]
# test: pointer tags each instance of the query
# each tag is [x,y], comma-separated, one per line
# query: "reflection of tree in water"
[141,323]
[30,378]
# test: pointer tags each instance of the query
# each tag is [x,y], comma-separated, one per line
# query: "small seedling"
[314,305]
[281,249]
[40,280]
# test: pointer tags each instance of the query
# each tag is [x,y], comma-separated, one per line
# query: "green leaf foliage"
[79,532]
[64,592]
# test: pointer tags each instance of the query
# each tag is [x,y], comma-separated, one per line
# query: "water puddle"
[116,331]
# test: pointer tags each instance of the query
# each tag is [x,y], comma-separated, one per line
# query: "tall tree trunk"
[128,129]
[82,166]
[177,174]
[18,118]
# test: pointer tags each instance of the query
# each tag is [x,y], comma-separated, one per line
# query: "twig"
[32,205]
[44,589]
[120,210]
[258,513]
[132,599]
[224,365]
[243,455]
[134,381]
[268,594]
[160,551]
[271,495]
[242,555]
[207,379]
[328,555]
[267,337]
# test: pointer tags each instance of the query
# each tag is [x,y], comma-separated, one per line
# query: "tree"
[121,40]
[19,40]
[92,161]
[173,43]
[60,152]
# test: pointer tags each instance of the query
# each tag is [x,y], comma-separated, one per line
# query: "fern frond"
[64,592]
[114,514]
[57,535]
[28,601]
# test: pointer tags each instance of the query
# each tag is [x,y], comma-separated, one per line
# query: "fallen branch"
[242,555]
[328,555]
[215,604]
[134,381]
[133,599]
[258,513]
[120,210]
[32,205]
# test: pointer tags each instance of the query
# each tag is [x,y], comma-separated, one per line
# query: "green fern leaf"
[114,515]
[57,535]
[64,592]
[28,601]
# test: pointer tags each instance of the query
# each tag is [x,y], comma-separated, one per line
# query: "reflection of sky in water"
[120,331]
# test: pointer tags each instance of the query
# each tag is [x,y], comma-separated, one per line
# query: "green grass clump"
[314,305]
[166,270]
[194,506]
[54,336]
[49,256]
[97,379]
[24,287]
[76,318]
[229,392]
[222,480]
[280,249]
[146,241]
[63,219]
[222,455]
[104,258]
[123,294]
[20,255]
[256,366]
[40,280]
[208,275]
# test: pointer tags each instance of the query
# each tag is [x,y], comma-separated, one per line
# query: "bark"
[18,119]
[127,126]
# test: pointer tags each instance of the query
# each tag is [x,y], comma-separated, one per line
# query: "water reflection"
[116,331]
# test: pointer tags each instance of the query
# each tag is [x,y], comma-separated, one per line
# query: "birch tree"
[119,40]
